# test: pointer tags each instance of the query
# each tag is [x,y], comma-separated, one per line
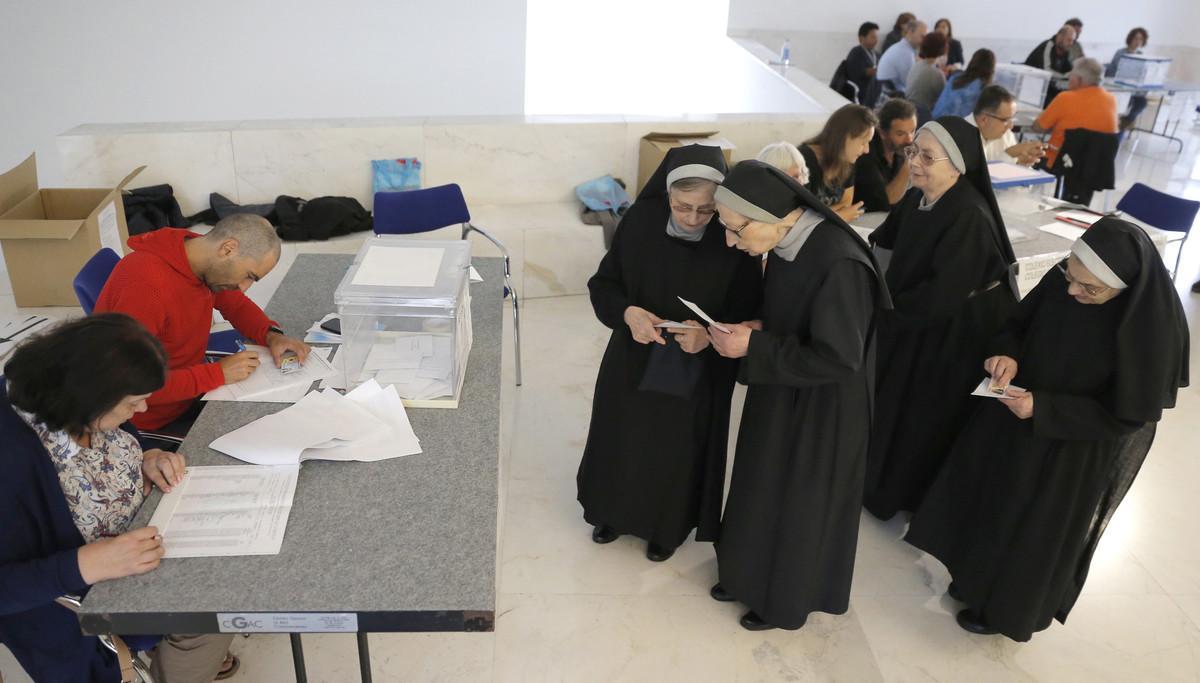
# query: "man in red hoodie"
[172,282]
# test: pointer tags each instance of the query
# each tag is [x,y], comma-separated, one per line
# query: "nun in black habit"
[654,463]
[1099,348]
[791,520]
[949,276]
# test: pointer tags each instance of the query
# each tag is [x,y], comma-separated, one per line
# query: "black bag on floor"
[151,208]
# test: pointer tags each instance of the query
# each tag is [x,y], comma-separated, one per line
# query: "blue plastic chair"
[90,281]
[1162,211]
[418,211]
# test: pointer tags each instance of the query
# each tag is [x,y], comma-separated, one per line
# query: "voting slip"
[269,385]
[226,511]
[703,315]
[672,325]
[367,424]
[987,390]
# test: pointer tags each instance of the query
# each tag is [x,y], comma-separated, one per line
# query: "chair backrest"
[91,278]
[416,211]
[1159,209]
[1092,155]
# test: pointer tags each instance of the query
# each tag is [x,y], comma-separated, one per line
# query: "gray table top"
[409,544]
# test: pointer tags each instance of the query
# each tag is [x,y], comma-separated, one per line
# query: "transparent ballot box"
[1142,70]
[405,307]
[1026,83]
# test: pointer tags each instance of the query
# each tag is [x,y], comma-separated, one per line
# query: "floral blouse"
[102,483]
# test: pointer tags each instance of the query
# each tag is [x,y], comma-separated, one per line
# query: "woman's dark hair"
[933,44]
[902,20]
[1139,30]
[850,121]
[949,27]
[982,68]
[865,29]
[81,369]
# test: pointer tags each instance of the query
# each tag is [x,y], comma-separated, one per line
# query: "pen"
[241,346]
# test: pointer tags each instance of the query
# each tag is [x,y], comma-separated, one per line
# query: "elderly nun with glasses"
[788,538]
[949,276]
[654,463]
[1099,349]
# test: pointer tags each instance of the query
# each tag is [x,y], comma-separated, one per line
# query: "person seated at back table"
[881,175]
[898,59]
[1085,104]
[954,48]
[785,157]
[993,116]
[897,31]
[830,158]
[172,282]
[862,61]
[962,90]
[73,483]
[1055,55]
[1135,40]
[925,80]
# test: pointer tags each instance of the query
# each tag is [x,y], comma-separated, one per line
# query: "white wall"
[67,62]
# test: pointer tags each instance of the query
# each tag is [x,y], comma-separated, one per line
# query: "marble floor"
[570,610]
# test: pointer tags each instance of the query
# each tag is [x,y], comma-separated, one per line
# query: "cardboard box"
[654,147]
[47,234]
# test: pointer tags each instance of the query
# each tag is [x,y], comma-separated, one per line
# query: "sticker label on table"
[287,622]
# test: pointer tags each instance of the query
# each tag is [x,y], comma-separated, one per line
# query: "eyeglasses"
[703,211]
[927,159]
[1092,290]
[1005,120]
[737,232]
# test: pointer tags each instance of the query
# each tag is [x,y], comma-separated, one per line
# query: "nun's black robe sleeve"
[607,287]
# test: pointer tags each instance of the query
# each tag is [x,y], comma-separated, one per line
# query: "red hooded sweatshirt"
[156,286]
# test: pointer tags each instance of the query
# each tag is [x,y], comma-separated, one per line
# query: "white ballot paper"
[400,266]
[269,385]
[986,390]
[703,315]
[1063,230]
[671,324]
[225,511]
[367,424]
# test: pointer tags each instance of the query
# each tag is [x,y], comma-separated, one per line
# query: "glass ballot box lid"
[405,313]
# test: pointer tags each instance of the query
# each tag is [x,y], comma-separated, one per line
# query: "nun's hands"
[753,324]
[1002,369]
[733,344]
[691,340]
[1020,402]
[642,325]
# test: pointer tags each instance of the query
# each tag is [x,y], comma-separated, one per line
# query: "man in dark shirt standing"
[1057,54]
[862,61]
[881,175]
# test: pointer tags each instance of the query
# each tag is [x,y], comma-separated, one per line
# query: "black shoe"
[974,623]
[1196,286]
[604,534]
[752,622]
[953,592]
[719,594]
[657,553]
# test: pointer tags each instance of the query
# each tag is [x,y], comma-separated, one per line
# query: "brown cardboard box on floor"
[654,147]
[47,234]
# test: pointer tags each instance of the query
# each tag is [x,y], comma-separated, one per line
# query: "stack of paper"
[418,365]
[317,335]
[367,424]
[269,385]
[223,511]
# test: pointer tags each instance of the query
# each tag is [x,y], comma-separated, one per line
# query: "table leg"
[364,658]
[298,658]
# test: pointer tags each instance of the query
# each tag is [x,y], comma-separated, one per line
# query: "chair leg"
[1178,255]
[516,331]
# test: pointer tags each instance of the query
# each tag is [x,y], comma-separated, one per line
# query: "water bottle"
[785,53]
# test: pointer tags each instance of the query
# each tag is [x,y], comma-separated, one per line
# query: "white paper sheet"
[110,231]
[227,511]
[400,267]
[286,392]
[1015,236]
[1004,171]
[671,324]
[1085,217]
[16,328]
[985,390]
[1063,230]
[703,316]
[475,276]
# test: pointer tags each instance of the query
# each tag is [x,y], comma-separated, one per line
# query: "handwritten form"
[268,385]
[227,511]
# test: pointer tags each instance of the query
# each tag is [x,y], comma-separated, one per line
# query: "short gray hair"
[1088,70]
[783,156]
[255,236]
